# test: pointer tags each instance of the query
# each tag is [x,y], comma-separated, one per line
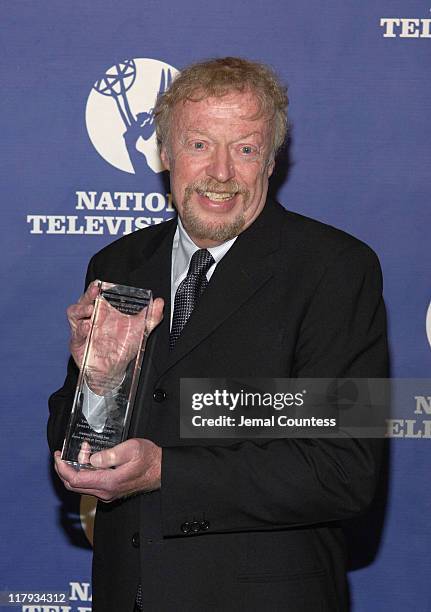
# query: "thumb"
[117,455]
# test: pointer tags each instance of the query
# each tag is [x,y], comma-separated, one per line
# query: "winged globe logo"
[119,113]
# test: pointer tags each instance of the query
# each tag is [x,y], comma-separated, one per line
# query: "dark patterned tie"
[138,602]
[189,292]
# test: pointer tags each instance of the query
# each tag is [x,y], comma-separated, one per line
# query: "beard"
[218,231]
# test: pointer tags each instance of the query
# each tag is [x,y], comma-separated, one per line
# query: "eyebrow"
[197,131]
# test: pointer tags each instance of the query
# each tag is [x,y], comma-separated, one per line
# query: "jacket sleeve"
[293,482]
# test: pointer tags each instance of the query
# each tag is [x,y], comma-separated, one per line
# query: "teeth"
[218,197]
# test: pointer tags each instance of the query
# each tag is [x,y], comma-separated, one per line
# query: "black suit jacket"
[291,298]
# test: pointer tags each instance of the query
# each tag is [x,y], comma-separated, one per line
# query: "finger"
[80,479]
[80,311]
[83,329]
[84,453]
[104,496]
[90,294]
[117,455]
[78,339]
[85,304]
[69,476]
[84,307]
[80,330]
[64,470]
[57,455]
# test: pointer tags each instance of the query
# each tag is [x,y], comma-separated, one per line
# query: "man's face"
[220,161]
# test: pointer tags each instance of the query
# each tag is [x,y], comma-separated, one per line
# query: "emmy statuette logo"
[119,114]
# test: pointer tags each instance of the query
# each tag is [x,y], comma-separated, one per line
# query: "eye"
[198,145]
[247,150]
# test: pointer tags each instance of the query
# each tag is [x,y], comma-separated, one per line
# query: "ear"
[271,165]
[165,158]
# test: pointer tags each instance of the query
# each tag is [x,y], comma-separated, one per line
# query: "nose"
[221,165]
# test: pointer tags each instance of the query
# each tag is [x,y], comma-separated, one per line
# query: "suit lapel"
[246,267]
[155,259]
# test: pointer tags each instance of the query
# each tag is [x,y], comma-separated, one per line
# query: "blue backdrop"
[79,169]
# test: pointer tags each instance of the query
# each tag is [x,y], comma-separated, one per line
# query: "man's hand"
[116,337]
[137,464]
[79,316]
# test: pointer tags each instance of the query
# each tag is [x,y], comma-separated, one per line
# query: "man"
[193,524]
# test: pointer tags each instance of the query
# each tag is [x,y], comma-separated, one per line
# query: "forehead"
[239,108]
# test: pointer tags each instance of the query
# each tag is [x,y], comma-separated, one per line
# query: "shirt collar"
[183,249]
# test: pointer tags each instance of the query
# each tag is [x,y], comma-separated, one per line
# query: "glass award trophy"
[109,373]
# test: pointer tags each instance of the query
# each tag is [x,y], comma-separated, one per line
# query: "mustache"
[231,186]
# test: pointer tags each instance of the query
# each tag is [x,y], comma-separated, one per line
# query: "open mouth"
[218,196]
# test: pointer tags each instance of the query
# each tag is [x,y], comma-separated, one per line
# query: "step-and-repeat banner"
[80,169]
